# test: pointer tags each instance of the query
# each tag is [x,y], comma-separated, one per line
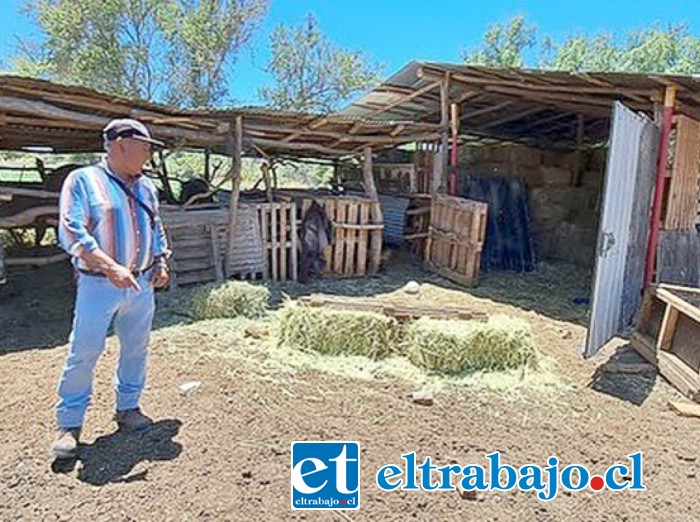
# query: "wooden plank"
[274,244]
[350,240]
[668,328]
[679,303]
[340,217]
[363,240]
[216,254]
[685,409]
[679,257]
[191,265]
[295,244]
[679,374]
[283,209]
[264,210]
[682,202]
[645,346]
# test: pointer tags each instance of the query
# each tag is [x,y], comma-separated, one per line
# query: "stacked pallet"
[667,334]
[357,246]
[456,238]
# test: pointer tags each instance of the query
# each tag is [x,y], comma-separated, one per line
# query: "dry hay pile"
[460,346]
[337,332]
[224,300]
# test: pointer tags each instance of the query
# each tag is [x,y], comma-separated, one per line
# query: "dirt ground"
[223,452]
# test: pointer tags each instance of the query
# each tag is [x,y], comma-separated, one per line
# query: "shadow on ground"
[111,458]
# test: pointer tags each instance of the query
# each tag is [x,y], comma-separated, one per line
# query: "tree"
[169,50]
[203,37]
[503,45]
[311,74]
[652,50]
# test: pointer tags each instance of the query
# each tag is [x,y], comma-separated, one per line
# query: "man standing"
[109,224]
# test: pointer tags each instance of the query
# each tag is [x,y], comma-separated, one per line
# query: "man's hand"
[122,278]
[160,276]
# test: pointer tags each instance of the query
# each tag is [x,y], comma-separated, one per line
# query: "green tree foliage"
[651,50]
[504,45]
[311,74]
[171,50]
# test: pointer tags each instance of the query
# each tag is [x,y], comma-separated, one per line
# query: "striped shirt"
[96,212]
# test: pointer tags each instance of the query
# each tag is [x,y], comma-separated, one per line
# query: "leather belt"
[135,273]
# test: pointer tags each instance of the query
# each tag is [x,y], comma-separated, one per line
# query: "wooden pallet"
[456,238]
[400,312]
[357,246]
[667,335]
[279,223]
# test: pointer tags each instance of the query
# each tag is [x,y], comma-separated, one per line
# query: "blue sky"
[393,32]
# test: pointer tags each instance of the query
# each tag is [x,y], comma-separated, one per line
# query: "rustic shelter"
[43,117]
[577,164]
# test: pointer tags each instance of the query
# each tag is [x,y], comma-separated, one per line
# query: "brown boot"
[132,420]
[66,445]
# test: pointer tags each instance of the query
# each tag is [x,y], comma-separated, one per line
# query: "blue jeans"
[97,303]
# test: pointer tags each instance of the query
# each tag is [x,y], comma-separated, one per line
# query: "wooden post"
[653,243]
[439,184]
[377,218]
[265,167]
[207,165]
[236,143]
[578,163]
[454,113]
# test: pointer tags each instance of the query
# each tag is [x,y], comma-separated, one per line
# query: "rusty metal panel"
[624,225]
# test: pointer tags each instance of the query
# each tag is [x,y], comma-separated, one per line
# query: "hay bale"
[229,299]
[337,332]
[459,346]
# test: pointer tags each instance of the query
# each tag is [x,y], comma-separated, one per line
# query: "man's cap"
[127,128]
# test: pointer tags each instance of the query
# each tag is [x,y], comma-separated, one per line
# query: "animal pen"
[248,234]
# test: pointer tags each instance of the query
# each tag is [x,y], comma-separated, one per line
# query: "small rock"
[566,334]
[188,388]
[412,287]
[423,397]
[468,494]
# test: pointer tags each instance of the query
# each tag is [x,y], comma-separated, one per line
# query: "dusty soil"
[223,452]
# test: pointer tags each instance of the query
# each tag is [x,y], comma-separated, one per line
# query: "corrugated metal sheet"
[616,241]
[248,255]
[394,214]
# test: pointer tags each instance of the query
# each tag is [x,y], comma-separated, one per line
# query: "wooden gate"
[456,238]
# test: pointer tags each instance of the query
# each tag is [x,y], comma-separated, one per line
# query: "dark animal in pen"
[194,187]
[315,234]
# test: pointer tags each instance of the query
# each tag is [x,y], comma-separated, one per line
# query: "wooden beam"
[486,110]
[236,143]
[567,89]
[510,117]
[397,130]
[407,98]
[318,123]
